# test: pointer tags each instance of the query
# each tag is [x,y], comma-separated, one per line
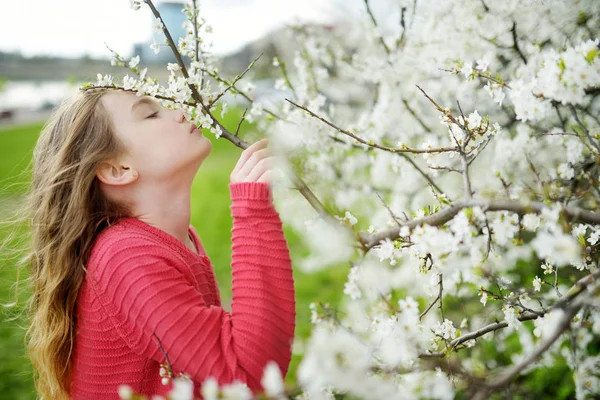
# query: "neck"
[165,209]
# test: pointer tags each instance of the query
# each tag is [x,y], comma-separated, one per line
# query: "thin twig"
[513,30]
[236,79]
[283,69]
[388,208]
[165,354]
[439,297]
[385,46]
[196,41]
[370,143]
[217,78]
[421,172]
[584,129]
[465,174]
[414,114]
[237,130]
[480,75]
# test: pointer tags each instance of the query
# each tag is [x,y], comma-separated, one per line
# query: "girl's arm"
[145,292]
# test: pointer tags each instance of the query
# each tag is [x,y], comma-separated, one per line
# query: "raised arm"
[146,291]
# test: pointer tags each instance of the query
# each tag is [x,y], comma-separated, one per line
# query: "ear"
[115,173]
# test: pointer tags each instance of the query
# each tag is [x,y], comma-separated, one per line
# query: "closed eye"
[152,115]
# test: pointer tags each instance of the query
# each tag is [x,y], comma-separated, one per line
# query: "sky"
[72,28]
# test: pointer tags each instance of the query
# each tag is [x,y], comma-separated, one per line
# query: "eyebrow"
[143,100]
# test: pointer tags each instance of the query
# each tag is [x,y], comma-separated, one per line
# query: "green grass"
[211,216]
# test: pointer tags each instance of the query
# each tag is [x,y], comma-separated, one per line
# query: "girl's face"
[159,142]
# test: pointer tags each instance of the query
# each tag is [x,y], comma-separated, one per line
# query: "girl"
[121,285]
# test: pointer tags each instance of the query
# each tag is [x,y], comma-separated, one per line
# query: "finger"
[246,154]
[263,165]
[266,177]
[251,163]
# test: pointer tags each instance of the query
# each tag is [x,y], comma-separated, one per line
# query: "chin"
[202,153]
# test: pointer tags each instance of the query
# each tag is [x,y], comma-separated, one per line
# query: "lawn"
[210,216]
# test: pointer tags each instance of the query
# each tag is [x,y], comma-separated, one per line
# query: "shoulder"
[123,236]
[127,243]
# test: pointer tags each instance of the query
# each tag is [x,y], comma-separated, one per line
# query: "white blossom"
[351,288]
[505,226]
[135,4]
[531,222]
[129,82]
[157,25]
[446,329]
[210,389]
[579,230]
[216,130]
[482,65]
[272,380]
[474,120]
[280,84]
[125,392]
[594,236]
[484,298]
[558,248]
[548,268]
[467,70]
[350,218]
[183,389]
[546,326]
[105,80]
[155,46]
[236,391]
[173,67]
[537,284]
[134,62]
[255,111]
[495,92]
[511,317]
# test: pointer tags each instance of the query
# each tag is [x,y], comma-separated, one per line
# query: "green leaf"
[589,57]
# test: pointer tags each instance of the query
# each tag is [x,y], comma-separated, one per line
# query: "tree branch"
[445,215]
[571,295]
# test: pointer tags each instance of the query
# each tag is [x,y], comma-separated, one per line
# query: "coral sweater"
[141,282]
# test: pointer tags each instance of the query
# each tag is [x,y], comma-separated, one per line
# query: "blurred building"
[174,19]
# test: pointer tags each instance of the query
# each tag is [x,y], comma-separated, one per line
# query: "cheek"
[162,152]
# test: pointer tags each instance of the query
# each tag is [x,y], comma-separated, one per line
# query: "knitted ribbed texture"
[142,282]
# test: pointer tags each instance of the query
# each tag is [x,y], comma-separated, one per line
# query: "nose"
[179,116]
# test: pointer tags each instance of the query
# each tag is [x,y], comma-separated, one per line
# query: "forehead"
[123,106]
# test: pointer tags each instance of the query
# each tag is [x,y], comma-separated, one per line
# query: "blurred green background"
[211,216]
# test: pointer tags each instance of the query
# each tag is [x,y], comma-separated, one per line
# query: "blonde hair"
[65,209]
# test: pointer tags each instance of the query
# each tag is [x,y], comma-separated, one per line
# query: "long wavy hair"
[65,209]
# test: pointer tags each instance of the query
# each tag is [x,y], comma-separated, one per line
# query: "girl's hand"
[254,164]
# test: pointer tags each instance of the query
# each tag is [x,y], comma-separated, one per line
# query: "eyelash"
[152,115]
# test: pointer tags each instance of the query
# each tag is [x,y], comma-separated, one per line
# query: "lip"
[194,129]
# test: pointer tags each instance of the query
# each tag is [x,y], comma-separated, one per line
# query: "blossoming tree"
[449,152]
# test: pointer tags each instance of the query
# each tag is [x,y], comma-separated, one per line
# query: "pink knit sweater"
[142,282]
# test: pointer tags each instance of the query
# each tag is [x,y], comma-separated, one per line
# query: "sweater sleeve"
[145,292]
